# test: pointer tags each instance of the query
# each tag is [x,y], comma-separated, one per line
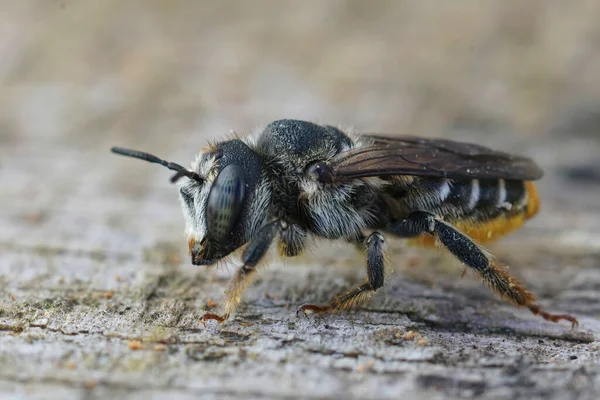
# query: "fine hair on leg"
[494,275]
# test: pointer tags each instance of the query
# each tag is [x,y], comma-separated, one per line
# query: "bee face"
[221,212]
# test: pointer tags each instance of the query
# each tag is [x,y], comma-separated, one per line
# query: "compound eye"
[225,202]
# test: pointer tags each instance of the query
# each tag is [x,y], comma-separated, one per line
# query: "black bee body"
[288,147]
[291,147]
[298,179]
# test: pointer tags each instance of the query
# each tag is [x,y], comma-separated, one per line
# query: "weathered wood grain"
[97,297]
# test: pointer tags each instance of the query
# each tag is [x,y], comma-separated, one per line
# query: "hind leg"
[466,251]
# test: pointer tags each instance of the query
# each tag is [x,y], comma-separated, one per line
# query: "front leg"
[363,292]
[255,251]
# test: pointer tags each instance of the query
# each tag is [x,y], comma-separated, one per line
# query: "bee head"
[218,200]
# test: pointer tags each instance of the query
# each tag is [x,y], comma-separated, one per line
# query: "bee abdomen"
[532,200]
[476,199]
[465,195]
[503,207]
[499,196]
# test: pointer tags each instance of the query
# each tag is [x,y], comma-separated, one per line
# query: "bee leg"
[292,241]
[255,251]
[465,250]
[363,292]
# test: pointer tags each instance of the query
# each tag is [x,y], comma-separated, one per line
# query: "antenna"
[181,171]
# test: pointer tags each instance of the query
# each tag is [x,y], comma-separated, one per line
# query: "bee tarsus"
[214,317]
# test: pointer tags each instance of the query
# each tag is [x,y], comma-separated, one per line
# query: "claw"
[535,309]
[560,317]
[307,309]
[215,317]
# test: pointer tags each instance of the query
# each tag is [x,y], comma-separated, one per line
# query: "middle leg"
[363,292]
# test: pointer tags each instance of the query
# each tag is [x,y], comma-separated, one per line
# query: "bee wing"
[430,157]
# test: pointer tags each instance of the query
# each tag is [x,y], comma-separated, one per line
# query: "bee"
[297,179]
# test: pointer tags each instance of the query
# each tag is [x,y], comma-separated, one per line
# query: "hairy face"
[193,197]
[223,211]
[212,209]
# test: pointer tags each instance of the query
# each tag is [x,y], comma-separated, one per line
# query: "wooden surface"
[97,296]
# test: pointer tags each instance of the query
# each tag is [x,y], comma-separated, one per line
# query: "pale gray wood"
[92,253]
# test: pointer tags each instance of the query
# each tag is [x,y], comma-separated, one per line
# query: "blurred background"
[91,244]
[77,77]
